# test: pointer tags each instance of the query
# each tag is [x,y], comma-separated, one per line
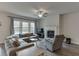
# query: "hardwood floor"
[66,50]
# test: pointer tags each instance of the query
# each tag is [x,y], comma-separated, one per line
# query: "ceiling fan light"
[40,15]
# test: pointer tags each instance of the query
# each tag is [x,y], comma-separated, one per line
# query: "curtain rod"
[27,18]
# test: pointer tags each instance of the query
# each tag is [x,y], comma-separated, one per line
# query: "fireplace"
[50,33]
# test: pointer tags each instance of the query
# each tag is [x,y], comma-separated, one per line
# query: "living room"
[42,22]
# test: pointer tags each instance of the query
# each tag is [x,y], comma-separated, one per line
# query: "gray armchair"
[56,44]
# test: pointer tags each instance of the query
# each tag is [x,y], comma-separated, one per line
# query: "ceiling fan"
[40,12]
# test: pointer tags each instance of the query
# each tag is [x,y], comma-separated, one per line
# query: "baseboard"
[75,43]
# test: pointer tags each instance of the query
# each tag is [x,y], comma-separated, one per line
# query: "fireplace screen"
[50,34]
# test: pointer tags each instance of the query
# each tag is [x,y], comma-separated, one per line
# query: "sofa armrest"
[12,51]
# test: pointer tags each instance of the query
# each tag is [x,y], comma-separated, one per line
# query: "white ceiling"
[25,8]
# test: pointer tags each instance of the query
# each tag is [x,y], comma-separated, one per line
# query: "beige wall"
[70,26]
[5,26]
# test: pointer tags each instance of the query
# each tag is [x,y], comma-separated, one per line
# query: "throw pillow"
[16,43]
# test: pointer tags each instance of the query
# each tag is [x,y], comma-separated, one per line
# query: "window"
[32,27]
[23,27]
[16,27]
